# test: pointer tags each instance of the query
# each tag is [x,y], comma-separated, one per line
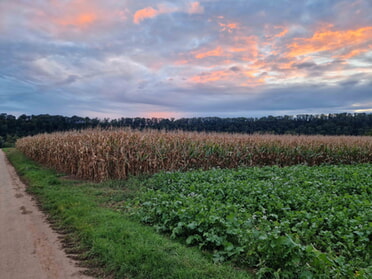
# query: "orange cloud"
[79,20]
[354,52]
[329,40]
[229,27]
[251,73]
[242,48]
[237,49]
[141,15]
[215,52]
[230,76]
[209,77]
[75,13]
[248,45]
[149,12]
[86,18]
[256,65]
[281,34]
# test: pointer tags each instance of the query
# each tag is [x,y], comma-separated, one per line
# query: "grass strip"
[107,238]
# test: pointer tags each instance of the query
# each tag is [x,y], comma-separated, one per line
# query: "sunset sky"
[226,58]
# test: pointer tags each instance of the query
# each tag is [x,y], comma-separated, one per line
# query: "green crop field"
[292,222]
[272,206]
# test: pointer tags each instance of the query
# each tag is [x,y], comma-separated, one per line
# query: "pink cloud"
[82,19]
[210,77]
[150,12]
[229,27]
[325,40]
[214,52]
[195,8]
[282,33]
[142,14]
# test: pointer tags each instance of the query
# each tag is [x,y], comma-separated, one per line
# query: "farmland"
[277,206]
[116,154]
[292,222]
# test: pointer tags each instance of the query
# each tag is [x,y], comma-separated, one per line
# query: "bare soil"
[29,248]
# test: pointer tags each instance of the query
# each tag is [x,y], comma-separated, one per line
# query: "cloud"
[282,33]
[305,65]
[235,69]
[195,8]
[328,40]
[80,20]
[142,14]
[290,99]
[229,27]
[184,58]
[214,52]
[165,8]
[211,76]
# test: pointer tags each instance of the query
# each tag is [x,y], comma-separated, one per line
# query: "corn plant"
[97,154]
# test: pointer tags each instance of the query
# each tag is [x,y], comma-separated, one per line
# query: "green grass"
[101,234]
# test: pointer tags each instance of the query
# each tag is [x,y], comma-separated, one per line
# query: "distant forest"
[12,127]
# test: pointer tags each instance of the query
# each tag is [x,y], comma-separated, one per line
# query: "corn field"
[98,155]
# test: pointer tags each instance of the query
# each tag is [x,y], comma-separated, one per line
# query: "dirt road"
[29,249]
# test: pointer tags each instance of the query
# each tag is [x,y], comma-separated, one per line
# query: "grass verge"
[103,236]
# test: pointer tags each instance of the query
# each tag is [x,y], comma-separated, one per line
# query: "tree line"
[12,127]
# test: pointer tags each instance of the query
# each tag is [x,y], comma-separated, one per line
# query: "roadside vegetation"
[109,241]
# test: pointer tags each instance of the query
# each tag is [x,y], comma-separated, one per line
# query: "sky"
[185,58]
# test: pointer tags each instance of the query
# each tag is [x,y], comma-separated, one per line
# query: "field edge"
[107,241]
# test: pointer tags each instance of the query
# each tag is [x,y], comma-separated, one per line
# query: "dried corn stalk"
[97,154]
